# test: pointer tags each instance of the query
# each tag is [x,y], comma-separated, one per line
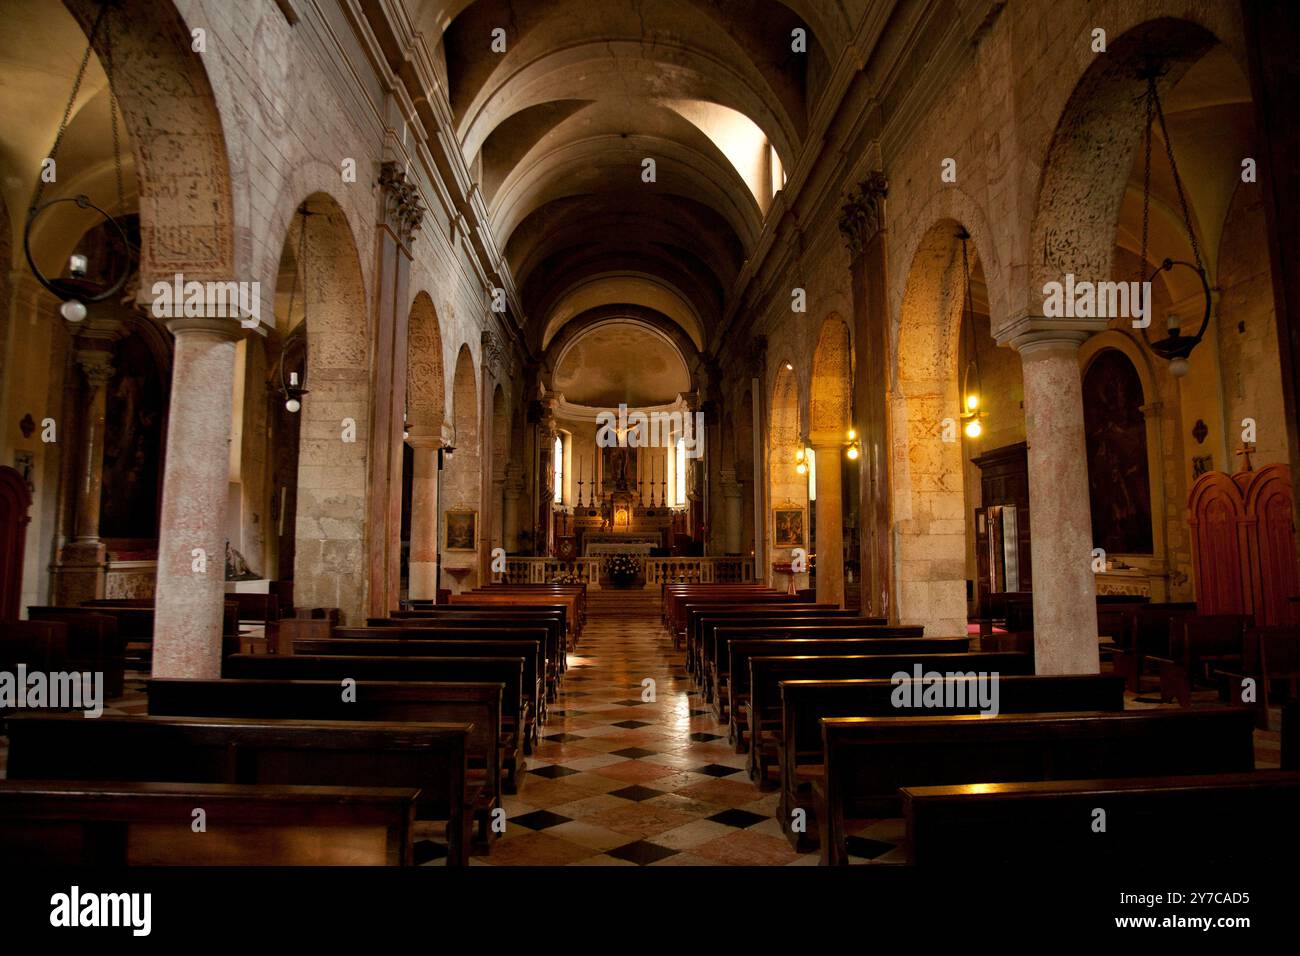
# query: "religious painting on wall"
[619,467]
[460,530]
[132,444]
[788,525]
[1116,435]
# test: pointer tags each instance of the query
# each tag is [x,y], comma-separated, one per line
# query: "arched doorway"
[461,482]
[830,415]
[788,478]
[426,421]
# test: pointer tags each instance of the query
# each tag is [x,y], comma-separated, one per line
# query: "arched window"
[557,468]
[1116,433]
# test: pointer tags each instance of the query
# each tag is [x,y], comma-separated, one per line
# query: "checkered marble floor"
[618,781]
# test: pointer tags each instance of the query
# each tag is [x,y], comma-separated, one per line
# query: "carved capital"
[863,213]
[403,210]
[494,353]
[97,366]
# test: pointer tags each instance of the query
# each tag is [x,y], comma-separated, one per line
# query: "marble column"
[1065,605]
[82,562]
[422,574]
[192,529]
[830,520]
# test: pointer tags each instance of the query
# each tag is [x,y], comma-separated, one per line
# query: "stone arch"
[788,488]
[1087,166]
[182,167]
[830,412]
[928,499]
[334,439]
[461,477]
[426,392]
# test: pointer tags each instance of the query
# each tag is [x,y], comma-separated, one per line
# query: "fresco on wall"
[1116,435]
[132,444]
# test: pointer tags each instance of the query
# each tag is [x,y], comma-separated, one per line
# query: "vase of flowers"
[622,570]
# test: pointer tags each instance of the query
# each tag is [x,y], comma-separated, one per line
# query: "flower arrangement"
[622,568]
[565,577]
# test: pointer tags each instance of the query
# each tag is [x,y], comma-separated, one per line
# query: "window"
[680,476]
[557,467]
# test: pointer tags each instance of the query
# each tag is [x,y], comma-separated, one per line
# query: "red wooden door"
[1271,533]
[1219,552]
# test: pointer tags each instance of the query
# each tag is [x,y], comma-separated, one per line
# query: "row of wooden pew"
[810,694]
[431,708]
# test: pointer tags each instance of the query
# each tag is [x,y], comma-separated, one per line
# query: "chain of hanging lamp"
[1176,347]
[970,399]
[75,295]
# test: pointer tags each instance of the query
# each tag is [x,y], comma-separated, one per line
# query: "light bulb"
[789,367]
[973,429]
[293,405]
[73,311]
[77,266]
[798,454]
[852,434]
[801,468]
[1173,322]
[1179,367]
[853,453]
[972,402]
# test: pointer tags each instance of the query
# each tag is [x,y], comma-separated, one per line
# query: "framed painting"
[460,530]
[788,527]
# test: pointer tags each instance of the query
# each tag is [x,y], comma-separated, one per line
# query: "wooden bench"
[675,604]
[428,757]
[1149,634]
[695,614]
[41,645]
[94,642]
[718,664]
[805,702]
[1162,818]
[515,715]
[74,823]
[1198,644]
[1270,657]
[867,759]
[687,607]
[427,642]
[874,660]
[459,616]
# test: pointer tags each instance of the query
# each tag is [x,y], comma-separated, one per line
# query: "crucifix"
[1244,453]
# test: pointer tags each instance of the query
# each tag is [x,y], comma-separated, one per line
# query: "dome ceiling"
[620,362]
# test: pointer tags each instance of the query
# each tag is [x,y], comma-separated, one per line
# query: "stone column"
[1060,518]
[422,570]
[733,524]
[192,529]
[863,227]
[82,562]
[830,520]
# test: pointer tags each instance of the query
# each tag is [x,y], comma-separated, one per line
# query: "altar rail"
[657,571]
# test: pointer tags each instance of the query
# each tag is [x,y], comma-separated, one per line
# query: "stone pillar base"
[80,573]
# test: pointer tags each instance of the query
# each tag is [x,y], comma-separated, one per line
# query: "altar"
[599,544]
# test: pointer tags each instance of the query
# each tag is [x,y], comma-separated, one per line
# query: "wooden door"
[15,501]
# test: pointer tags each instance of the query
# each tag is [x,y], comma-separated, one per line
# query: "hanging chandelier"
[294,388]
[74,288]
[971,384]
[1175,347]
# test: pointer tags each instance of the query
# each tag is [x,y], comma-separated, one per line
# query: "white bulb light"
[73,311]
[293,405]
[1179,367]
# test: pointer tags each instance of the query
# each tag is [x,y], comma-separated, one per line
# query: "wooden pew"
[1291,735]
[383,642]
[805,702]
[73,823]
[1197,644]
[1163,818]
[516,717]
[1270,657]
[737,614]
[428,757]
[41,645]
[1149,634]
[504,616]
[718,664]
[868,662]
[868,759]
[94,642]
[699,603]
[496,601]
[677,596]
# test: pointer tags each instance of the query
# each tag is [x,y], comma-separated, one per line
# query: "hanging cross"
[1244,453]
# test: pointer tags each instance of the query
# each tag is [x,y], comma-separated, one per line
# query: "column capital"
[863,213]
[826,441]
[96,365]
[1028,341]
[215,327]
